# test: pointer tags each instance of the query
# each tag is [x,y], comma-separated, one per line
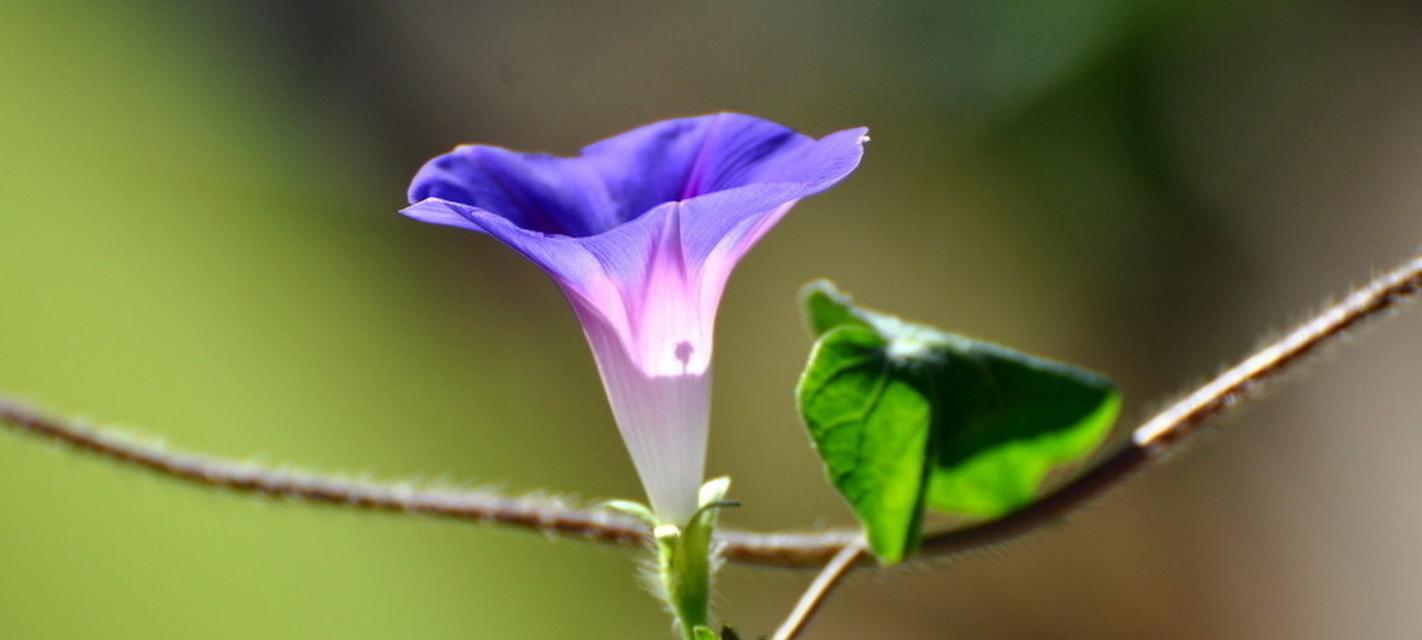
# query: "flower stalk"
[686,560]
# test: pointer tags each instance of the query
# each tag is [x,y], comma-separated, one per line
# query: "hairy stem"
[478,506]
[1157,435]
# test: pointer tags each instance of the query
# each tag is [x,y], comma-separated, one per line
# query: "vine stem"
[819,590]
[1147,443]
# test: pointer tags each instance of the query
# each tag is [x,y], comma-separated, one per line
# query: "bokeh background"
[198,240]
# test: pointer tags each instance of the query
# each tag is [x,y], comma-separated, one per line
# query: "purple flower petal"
[641,232]
[687,157]
[534,191]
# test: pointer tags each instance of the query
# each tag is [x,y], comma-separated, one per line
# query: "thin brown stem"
[1157,435]
[819,590]
[477,506]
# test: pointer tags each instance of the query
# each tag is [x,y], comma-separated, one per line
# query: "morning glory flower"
[641,232]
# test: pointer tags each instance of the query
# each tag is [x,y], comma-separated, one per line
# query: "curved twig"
[819,590]
[774,549]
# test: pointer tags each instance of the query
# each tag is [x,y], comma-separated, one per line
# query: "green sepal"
[635,509]
[684,560]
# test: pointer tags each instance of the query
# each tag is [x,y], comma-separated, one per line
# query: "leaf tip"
[826,307]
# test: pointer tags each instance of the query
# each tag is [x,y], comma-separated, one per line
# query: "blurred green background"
[198,239]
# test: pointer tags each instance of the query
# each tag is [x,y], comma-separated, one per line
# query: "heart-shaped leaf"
[905,416]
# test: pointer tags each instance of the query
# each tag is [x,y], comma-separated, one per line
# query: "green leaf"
[905,416]
[871,423]
[827,308]
[703,633]
[1009,419]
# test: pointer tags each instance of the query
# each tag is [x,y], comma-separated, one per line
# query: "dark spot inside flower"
[683,352]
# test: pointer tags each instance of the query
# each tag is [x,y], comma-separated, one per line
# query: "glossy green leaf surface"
[905,416]
[1009,419]
[871,424]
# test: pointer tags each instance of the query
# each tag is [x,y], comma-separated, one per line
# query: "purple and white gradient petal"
[641,232]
